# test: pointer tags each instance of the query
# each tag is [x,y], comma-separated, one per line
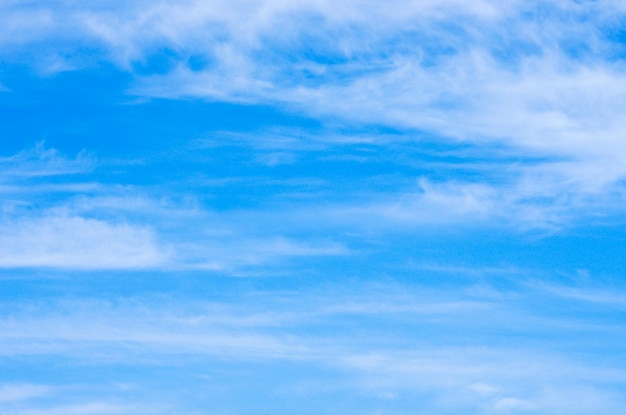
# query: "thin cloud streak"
[114,226]
[357,206]
[42,162]
[23,391]
[461,373]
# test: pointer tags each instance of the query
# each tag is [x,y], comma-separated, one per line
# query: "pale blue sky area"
[312,207]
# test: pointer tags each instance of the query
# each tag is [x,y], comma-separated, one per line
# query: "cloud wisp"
[91,224]
[360,333]
[541,80]
[350,207]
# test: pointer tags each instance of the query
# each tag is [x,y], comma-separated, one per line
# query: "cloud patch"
[78,243]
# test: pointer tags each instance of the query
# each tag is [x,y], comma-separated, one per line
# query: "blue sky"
[312,207]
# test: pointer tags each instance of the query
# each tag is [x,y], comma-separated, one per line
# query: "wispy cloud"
[83,408]
[365,206]
[76,242]
[491,381]
[539,79]
[362,334]
[94,225]
[20,392]
[42,161]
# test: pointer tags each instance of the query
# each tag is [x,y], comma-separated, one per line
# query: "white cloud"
[92,225]
[566,112]
[83,408]
[40,161]
[22,392]
[541,100]
[540,78]
[239,251]
[77,242]
[365,334]
[545,101]
[456,203]
[488,380]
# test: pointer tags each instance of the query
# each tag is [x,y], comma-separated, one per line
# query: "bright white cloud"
[542,78]
[536,88]
[91,225]
[481,73]
[77,242]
